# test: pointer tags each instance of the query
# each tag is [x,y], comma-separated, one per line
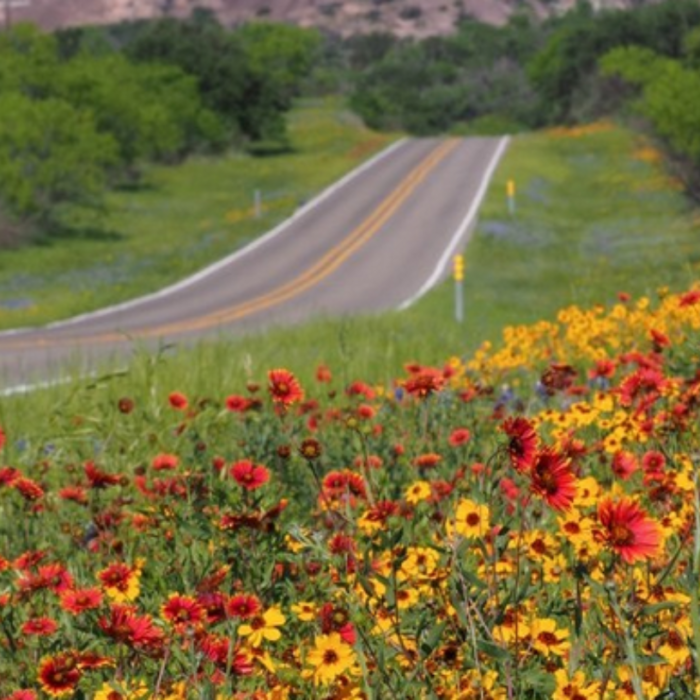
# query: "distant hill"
[418,18]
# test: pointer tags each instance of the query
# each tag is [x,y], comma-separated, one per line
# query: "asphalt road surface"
[376,240]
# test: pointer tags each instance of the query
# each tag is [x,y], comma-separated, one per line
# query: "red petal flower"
[552,479]
[628,530]
[284,387]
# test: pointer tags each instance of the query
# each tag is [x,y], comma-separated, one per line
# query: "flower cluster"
[517,524]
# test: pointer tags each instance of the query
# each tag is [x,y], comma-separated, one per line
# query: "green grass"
[182,219]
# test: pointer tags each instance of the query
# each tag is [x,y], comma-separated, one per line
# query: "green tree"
[52,155]
[247,102]
[282,53]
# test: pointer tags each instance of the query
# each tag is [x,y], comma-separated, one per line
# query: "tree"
[247,102]
[282,53]
[52,155]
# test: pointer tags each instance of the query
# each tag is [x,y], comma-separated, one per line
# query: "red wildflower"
[243,606]
[603,369]
[323,374]
[382,511]
[284,387]
[214,605]
[336,619]
[162,462]
[369,462]
[653,463]
[425,382]
[98,479]
[628,530]
[659,340]
[78,600]
[30,490]
[428,460]
[689,298]
[552,479]
[248,475]
[8,475]
[77,494]
[310,448]
[59,675]
[40,626]
[237,404]
[358,388]
[522,446]
[218,651]
[624,464]
[182,611]
[459,436]
[125,626]
[21,695]
[178,401]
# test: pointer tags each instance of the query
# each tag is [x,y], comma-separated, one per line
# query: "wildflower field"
[522,523]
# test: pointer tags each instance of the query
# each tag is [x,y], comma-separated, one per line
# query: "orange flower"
[628,530]
[284,387]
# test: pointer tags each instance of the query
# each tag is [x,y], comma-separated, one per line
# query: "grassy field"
[181,219]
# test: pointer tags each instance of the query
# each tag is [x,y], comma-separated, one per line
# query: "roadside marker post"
[510,189]
[459,278]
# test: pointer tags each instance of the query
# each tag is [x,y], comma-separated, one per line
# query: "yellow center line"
[323,267]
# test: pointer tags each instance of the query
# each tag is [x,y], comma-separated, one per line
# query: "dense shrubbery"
[519,524]
[151,91]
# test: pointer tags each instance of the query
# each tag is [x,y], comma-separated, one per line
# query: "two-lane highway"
[374,241]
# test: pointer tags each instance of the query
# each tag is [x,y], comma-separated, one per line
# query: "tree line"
[84,109]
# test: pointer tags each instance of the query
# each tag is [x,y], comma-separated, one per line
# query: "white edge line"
[461,230]
[214,267]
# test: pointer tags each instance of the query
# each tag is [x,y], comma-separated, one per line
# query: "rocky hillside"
[402,17]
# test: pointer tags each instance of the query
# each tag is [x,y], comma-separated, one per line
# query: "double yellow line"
[329,262]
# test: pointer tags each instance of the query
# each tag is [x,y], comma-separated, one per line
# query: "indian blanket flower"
[471,519]
[127,627]
[121,582]
[627,530]
[424,382]
[551,478]
[178,400]
[248,475]
[263,627]
[182,611]
[330,658]
[78,600]
[284,387]
[163,461]
[60,674]
[459,436]
[237,404]
[243,606]
[40,626]
[522,443]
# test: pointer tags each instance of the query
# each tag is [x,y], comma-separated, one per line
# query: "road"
[377,240]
